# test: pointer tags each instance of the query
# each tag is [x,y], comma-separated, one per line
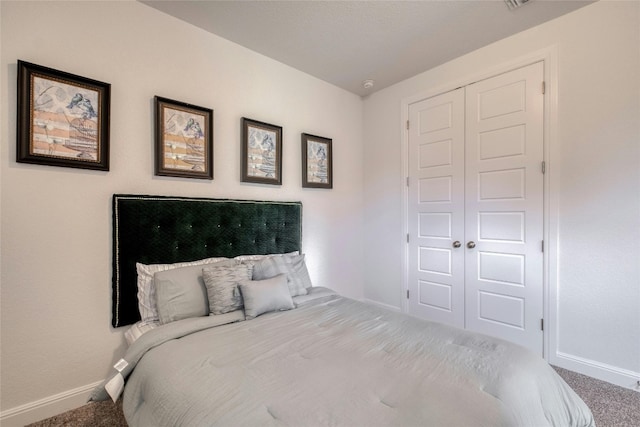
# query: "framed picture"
[261,152]
[317,162]
[184,139]
[63,119]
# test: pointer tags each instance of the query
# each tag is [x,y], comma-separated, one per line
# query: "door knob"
[471,244]
[457,244]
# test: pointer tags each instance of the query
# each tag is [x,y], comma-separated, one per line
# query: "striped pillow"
[291,266]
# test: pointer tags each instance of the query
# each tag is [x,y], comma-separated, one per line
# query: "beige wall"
[56,222]
[594,182]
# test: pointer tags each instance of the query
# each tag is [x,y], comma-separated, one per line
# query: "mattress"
[334,361]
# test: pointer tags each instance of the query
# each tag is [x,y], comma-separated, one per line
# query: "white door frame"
[549,57]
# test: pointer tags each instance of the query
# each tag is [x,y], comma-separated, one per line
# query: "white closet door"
[436,208]
[504,206]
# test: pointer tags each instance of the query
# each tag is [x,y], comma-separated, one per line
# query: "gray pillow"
[221,283]
[263,296]
[147,290]
[300,271]
[271,267]
[181,294]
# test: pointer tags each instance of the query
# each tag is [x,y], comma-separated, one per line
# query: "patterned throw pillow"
[222,286]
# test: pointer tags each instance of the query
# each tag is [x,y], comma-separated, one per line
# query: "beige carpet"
[612,406]
[94,414]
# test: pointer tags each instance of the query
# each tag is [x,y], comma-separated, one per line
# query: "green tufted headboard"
[162,230]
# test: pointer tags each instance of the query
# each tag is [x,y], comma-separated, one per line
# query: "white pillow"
[146,289]
[263,296]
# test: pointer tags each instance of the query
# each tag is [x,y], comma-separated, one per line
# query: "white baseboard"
[47,407]
[611,374]
[382,305]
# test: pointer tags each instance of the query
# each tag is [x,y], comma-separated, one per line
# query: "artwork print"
[316,162]
[63,119]
[262,152]
[65,122]
[184,140]
[184,143]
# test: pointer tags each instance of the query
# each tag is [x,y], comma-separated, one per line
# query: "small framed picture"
[261,152]
[184,139]
[63,119]
[317,162]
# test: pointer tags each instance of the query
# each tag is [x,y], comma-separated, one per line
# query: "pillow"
[221,284]
[260,257]
[136,331]
[146,290]
[271,267]
[300,271]
[315,293]
[181,293]
[262,296]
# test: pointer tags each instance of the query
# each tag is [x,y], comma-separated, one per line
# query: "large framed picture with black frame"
[261,152]
[317,161]
[63,118]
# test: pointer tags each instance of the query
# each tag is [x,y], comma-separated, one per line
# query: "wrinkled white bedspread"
[340,362]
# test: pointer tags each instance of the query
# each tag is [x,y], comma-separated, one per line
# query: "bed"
[245,339]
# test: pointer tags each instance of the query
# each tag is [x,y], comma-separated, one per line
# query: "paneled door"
[436,208]
[504,206]
[500,238]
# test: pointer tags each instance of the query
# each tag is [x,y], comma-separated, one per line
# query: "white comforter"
[339,362]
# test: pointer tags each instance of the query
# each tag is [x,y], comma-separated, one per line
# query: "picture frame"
[261,160]
[317,161]
[183,139]
[63,118]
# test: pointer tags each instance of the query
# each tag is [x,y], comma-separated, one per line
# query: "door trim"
[549,57]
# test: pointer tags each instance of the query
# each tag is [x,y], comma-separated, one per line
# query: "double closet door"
[475,207]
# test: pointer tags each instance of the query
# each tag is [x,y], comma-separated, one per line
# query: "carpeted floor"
[94,414]
[612,406]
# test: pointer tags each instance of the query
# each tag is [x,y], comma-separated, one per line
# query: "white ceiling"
[347,42]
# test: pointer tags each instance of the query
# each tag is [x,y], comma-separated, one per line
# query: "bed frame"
[162,230]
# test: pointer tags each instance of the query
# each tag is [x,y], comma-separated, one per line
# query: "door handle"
[457,244]
[471,244]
